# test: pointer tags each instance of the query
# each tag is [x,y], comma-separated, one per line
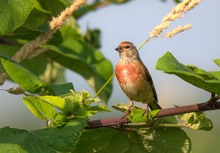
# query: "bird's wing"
[154,104]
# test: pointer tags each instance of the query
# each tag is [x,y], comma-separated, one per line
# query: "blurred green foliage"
[65,110]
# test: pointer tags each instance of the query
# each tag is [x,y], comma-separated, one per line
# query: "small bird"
[134,78]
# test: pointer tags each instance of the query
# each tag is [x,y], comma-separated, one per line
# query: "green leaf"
[55,73]
[61,89]
[103,140]
[21,141]
[197,121]
[92,37]
[35,24]
[48,140]
[56,7]
[121,107]
[13,14]
[140,115]
[191,74]
[217,61]
[26,80]
[63,139]
[78,104]
[111,140]
[97,109]
[137,114]
[75,54]
[36,21]
[216,74]
[86,9]
[173,140]
[39,108]
[37,65]
[60,119]
[168,119]
[54,101]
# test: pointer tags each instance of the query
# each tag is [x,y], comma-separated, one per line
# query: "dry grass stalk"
[16,91]
[3,77]
[31,49]
[177,30]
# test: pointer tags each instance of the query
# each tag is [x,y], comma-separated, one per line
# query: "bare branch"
[118,121]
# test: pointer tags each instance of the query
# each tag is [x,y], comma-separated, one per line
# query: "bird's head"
[127,50]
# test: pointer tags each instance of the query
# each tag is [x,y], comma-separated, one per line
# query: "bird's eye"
[127,47]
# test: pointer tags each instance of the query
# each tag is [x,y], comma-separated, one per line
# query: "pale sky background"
[133,21]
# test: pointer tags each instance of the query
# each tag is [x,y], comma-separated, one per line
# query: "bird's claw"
[128,112]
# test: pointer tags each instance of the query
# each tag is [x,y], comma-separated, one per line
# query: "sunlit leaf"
[60,119]
[197,121]
[55,101]
[26,79]
[217,61]
[37,65]
[97,109]
[137,114]
[191,74]
[78,104]
[121,107]
[39,108]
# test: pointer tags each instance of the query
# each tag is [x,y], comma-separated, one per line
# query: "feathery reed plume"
[179,10]
[31,49]
[158,29]
[177,30]
[176,13]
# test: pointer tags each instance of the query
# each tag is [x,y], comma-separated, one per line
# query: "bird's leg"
[130,105]
[129,108]
[147,112]
[149,117]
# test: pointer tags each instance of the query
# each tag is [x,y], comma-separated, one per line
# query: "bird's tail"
[154,105]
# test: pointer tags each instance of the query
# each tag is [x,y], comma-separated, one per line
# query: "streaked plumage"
[133,76]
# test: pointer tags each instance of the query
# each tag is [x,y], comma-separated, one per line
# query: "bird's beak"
[118,49]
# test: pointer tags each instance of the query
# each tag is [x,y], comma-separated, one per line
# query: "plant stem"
[143,43]
[171,125]
[106,83]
